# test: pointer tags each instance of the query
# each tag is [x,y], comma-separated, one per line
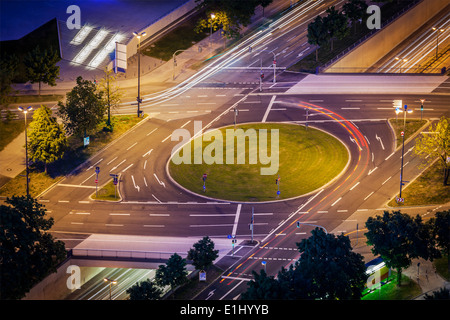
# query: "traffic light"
[298,224]
[262,75]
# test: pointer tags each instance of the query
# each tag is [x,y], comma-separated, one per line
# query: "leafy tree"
[41,66]
[84,108]
[441,294]
[440,225]
[355,10]
[398,238]
[333,270]
[8,69]
[203,253]
[436,144]
[317,34]
[264,4]
[28,253]
[230,14]
[46,140]
[335,24]
[173,273]
[144,290]
[111,95]
[263,287]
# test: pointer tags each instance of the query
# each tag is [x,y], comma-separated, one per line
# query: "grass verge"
[308,159]
[427,189]
[74,156]
[107,192]
[390,291]
[409,127]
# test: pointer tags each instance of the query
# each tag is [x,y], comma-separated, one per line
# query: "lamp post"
[25,111]
[210,30]
[111,282]
[139,100]
[402,62]
[438,30]
[405,110]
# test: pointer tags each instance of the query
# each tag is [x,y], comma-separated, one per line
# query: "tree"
[332,269]
[355,10]
[111,95]
[335,24]
[440,226]
[436,144]
[173,273]
[84,108]
[8,69]
[441,294]
[144,290]
[398,238]
[264,4]
[263,287]
[235,13]
[46,140]
[41,66]
[28,253]
[317,34]
[203,253]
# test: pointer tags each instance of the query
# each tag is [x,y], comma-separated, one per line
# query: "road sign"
[96,180]
[204,176]
[402,133]
[202,275]
[397,103]
[86,141]
[97,170]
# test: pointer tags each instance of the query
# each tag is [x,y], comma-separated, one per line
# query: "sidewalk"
[424,273]
[12,159]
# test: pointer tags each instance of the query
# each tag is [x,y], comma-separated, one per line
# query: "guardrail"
[122,254]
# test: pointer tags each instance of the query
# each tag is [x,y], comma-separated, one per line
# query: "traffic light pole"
[401,169]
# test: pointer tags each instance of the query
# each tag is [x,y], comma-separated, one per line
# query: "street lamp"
[25,111]
[213,16]
[111,282]
[437,38]
[139,100]
[401,64]
[405,110]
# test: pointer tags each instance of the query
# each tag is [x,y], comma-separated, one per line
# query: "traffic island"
[258,162]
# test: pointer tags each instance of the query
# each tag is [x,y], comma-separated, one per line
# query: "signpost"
[97,171]
[204,181]
[277,181]
[115,181]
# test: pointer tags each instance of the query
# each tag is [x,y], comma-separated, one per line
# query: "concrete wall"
[376,47]
[160,24]
[54,286]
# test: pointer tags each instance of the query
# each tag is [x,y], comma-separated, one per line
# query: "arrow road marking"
[136,186]
[160,182]
[379,139]
[147,153]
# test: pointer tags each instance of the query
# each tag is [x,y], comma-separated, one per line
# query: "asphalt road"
[153,205]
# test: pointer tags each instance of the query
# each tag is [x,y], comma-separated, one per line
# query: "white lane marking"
[236,219]
[268,108]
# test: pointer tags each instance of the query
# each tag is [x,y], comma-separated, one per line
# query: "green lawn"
[107,192]
[74,156]
[390,291]
[427,189]
[410,127]
[307,160]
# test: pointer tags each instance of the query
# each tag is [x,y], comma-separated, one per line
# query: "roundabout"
[258,162]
